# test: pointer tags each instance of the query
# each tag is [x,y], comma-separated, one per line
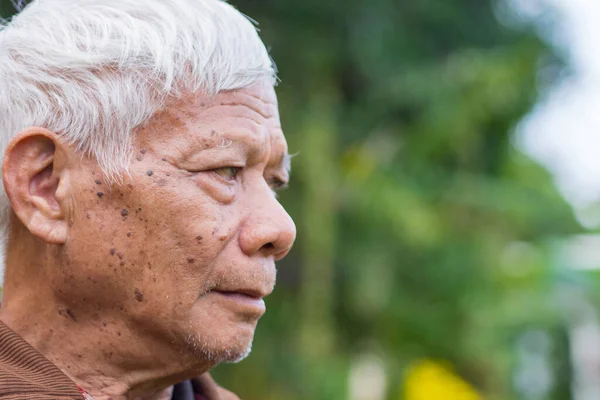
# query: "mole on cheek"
[139,296]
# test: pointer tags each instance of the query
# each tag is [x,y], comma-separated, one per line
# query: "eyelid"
[235,176]
[215,166]
[277,184]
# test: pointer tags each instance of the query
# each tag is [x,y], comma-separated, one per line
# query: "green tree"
[422,231]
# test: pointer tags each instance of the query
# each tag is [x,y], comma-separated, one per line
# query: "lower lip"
[243,299]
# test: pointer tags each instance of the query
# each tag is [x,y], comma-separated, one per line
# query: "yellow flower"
[431,380]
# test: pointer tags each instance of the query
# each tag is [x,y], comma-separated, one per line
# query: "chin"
[224,347]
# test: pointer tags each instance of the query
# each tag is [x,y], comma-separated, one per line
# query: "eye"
[227,173]
[276,184]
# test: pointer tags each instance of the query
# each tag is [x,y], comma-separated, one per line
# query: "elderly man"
[142,151]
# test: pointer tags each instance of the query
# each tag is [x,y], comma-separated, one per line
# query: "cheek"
[181,235]
[100,260]
[140,243]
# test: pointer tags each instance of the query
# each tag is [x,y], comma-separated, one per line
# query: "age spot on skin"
[100,194]
[139,296]
[150,173]
[98,182]
[191,260]
[70,314]
[124,212]
[112,251]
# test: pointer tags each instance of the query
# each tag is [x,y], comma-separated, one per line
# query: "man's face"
[180,254]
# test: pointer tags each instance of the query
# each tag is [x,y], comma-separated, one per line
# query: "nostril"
[268,246]
[268,249]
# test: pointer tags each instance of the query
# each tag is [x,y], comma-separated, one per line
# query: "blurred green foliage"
[422,231]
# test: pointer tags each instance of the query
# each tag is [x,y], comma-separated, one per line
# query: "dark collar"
[184,391]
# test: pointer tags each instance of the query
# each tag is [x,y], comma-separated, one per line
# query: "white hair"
[94,70]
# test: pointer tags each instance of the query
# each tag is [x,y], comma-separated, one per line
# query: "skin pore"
[132,287]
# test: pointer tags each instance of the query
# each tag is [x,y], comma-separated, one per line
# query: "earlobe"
[32,174]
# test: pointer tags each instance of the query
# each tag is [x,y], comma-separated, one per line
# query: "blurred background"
[446,190]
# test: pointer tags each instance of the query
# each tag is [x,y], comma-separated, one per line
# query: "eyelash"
[236,171]
[276,183]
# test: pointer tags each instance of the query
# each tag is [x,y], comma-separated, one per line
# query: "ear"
[33,172]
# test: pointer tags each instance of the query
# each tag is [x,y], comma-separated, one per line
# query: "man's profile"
[141,151]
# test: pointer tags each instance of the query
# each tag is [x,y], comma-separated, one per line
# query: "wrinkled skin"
[137,285]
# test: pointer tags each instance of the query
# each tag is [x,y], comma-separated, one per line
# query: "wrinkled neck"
[94,354]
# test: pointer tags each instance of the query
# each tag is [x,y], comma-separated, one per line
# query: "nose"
[269,230]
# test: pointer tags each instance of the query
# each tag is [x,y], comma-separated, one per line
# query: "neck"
[90,343]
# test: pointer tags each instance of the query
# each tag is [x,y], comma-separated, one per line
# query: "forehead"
[246,117]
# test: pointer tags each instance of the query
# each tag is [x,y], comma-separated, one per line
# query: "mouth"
[245,299]
[250,293]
